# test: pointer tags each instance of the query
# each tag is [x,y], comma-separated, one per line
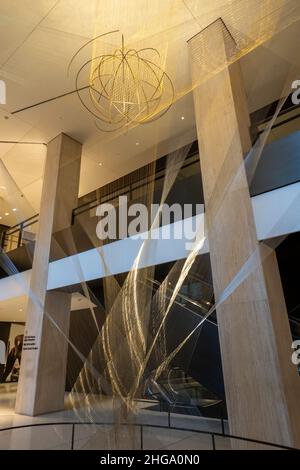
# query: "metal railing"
[130,187]
[279,122]
[142,426]
[16,236]
[13,237]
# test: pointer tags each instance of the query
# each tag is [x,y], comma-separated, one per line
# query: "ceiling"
[14,310]
[38,40]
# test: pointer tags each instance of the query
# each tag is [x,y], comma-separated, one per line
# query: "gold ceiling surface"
[136,83]
[39,38]
[244,24]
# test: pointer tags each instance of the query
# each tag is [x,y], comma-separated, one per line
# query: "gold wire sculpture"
[125,87]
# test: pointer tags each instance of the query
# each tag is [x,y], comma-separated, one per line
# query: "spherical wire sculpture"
[126,87]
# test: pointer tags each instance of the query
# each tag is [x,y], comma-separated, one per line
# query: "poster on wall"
[11,344]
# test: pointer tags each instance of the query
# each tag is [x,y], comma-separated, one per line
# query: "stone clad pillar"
[41,385]
[262,385]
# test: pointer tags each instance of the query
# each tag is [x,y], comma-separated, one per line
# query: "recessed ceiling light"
[0,217]
[137,143]
[14,209]
[182,118]
[100,163]
[20,310]
[6,213]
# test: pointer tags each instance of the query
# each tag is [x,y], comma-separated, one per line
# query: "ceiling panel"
[18,18]
[39,38]
[14,310]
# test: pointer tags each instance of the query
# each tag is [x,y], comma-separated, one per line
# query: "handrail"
[213,434]
[282,113]
[87,205]
[128,187]
[17,231]
[17,226]
[278,124]
[294,320]
[271,108]
[195,303]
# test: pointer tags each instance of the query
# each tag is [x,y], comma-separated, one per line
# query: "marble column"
[261,383]
[41,385]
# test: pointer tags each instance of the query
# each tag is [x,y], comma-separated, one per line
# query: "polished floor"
[82,409]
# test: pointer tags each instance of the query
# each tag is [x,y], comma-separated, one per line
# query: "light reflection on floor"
[100,437]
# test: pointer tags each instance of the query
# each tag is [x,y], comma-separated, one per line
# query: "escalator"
[180,393]
[194,378]
[193,381]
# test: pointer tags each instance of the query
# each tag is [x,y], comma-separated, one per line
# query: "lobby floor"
[90,409]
